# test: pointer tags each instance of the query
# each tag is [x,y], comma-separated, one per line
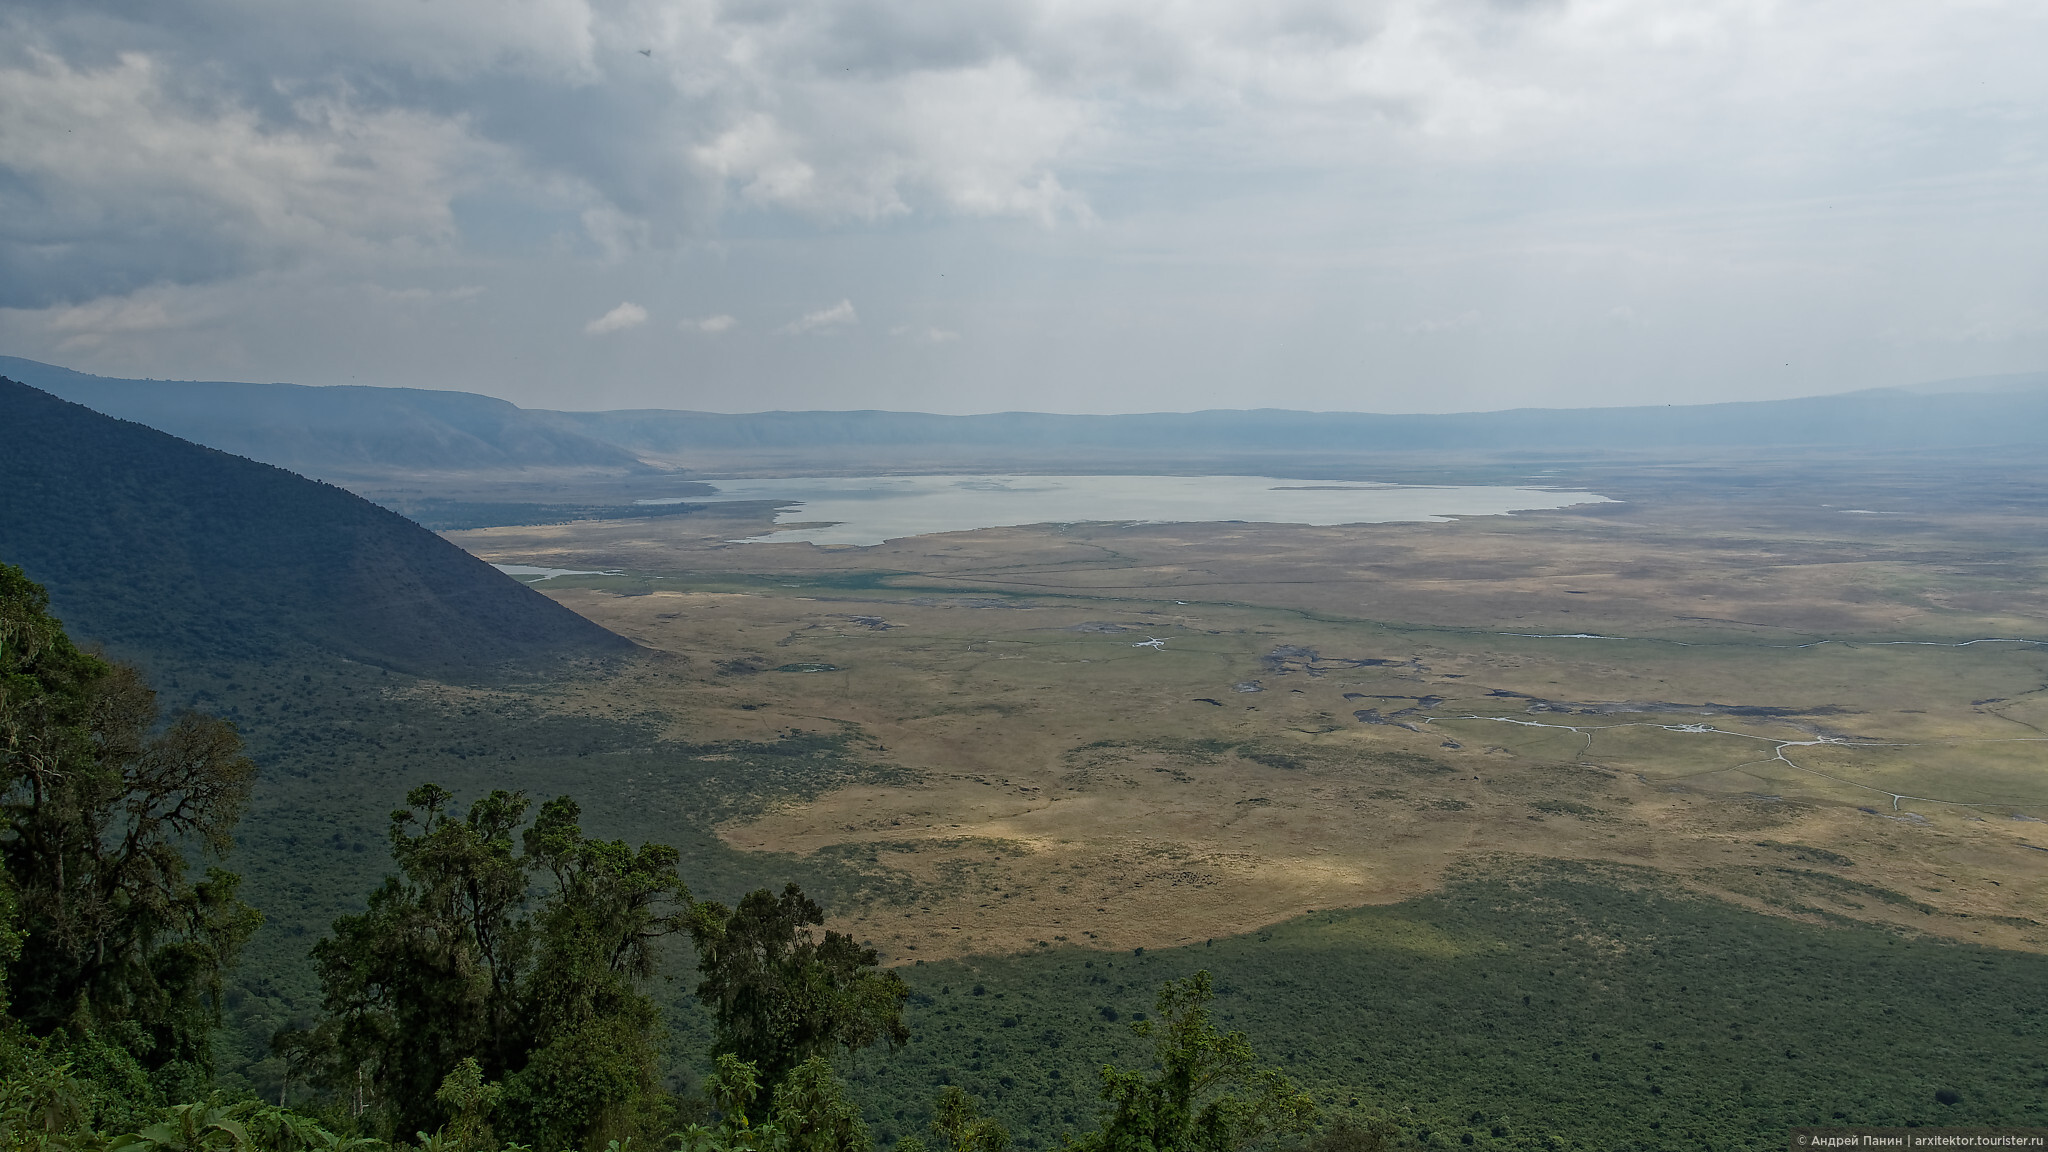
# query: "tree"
[961,1127]
[99,809]
[469,1102]
[592,1033]
[428,975]
[731,1089]
[1208,1093]
[1374,1134]
[811,1113]
[518,953]
[780,994]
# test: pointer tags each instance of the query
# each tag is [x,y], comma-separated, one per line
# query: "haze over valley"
[895,576]
[1789,692]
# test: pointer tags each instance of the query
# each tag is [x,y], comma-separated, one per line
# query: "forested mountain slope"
[159,547]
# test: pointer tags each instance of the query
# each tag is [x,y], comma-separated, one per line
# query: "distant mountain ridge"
[337,431]
[343,432]
[156,546]
[2000,410]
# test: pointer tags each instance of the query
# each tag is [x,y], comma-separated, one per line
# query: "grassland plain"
[957,742]
[1337,716]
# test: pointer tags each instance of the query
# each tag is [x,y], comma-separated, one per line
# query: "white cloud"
[626,315]
[1237,189]
[112,315]
[978,141]
[331,167]
[840,315]
[926,335]
[888,108]
[88,325]
[121,178]
[417,297]
[710,325]
[450,40]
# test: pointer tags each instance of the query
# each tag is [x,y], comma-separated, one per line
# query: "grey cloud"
[890,37]
[115,175]
[552,91]
[1325,181]
[49,256]
[856,111]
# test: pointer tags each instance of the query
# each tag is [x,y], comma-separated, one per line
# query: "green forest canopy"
[492,993]
[1549,1006]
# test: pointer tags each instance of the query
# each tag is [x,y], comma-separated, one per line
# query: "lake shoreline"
[867,511]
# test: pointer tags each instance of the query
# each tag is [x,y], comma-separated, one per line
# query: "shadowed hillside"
[157,546]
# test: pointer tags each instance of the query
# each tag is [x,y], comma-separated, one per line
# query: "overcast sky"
[1069,205]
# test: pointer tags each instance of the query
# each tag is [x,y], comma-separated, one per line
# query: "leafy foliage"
[782,996]
[1554,1007]
[1187,1105]
[468,1102]
[1652,1019]
[957,1119]
[812,1112]
[188,1128]
[100,811]
[39,1098]
[314,844]
[513,954]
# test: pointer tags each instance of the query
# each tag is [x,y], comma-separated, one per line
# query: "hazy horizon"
[1404,206]
[1995,383]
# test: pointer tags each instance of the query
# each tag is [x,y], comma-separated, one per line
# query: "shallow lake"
[864,510]
[530,574]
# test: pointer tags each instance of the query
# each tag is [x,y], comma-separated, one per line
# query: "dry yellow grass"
[1073,787]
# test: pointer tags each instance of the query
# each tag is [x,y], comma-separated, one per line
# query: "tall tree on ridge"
[98,811]
[427,975]
[781,995]
[594,1035]
[520,951]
